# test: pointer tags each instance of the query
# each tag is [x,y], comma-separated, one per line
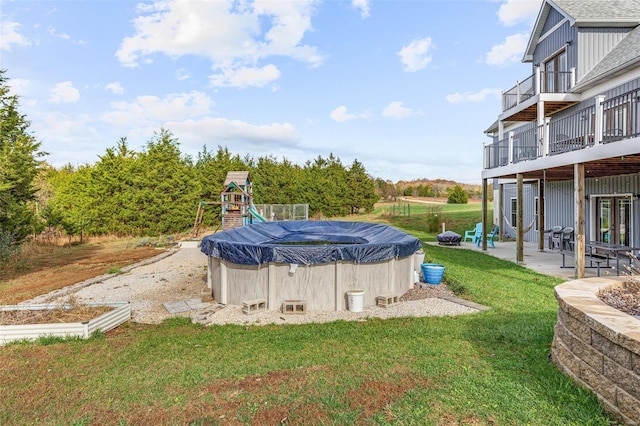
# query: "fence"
[279,212]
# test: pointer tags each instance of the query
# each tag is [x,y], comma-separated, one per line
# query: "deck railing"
[573,132]
[621,117]
[538,82]
[522,91]
[525,145]
[607,121]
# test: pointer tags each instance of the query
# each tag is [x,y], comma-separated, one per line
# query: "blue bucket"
[432,273]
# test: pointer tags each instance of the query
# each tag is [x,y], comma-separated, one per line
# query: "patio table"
[609,248]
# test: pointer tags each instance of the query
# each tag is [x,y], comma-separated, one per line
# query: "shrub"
[457,195]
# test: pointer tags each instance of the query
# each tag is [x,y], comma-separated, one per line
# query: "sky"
[406,87]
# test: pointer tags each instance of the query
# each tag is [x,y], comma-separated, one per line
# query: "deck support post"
[579,214]
[541,224]
[500,212]
[485,213]
[519,220]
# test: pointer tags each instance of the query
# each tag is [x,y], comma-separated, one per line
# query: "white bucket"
[356,300]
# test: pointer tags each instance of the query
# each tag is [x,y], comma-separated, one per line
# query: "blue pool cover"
[309,242]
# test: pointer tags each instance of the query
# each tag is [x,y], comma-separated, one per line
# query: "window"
[536,208]
[514,212]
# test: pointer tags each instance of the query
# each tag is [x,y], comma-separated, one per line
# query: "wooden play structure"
[236,202]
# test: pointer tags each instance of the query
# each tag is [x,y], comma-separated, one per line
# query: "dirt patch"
[47,268]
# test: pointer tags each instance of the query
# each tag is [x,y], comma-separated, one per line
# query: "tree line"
[152,192]
[156,191]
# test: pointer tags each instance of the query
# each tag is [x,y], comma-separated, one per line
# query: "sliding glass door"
[613,220]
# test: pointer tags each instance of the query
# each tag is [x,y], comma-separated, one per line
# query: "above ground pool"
[314,262]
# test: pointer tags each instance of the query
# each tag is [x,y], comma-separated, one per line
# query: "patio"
[548,262]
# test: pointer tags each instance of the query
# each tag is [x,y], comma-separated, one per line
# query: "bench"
[587,258]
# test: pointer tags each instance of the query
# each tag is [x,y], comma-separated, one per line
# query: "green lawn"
[489,368]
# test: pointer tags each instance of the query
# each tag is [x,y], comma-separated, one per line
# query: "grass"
[489,368]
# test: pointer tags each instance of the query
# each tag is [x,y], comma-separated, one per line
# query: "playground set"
[237,208]
[236,201]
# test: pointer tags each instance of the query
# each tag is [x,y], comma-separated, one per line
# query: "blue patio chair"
[490,237]
[474,233]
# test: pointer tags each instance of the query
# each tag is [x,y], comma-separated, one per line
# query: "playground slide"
[257,215]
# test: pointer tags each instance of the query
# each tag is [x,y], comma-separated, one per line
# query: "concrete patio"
[548,262]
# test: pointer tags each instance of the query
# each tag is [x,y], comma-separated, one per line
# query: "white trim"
[551,30]
[554,54]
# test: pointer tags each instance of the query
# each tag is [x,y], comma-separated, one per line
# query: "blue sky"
[405,87]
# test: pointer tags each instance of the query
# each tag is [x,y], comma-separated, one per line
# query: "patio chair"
[474,233]
[567,239]
[490,237]
[554,237]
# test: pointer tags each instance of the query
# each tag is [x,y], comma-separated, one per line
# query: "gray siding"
[559,204]
[623,88]
[619,90]
[552,19]
[594,44]
[529,194]
[556,41]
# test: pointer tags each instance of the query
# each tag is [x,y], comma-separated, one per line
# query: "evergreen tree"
[362,189]
[324,187]
[165,192]
[457,195]
[19,166]
[112,184]
[72,207]
[276,182]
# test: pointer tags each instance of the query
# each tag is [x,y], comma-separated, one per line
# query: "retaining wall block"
[626,379]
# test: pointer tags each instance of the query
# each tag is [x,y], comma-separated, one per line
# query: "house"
[565,149]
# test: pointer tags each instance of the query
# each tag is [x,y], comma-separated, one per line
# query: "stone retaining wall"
[599,346]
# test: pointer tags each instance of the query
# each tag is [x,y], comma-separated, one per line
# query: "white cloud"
[152,110]
[9,36]
[68,138]
[341,115]
[233,35]
[64,93]
[397,110]
[513,12]
[509,51]
[182,74]
[364,7]
[19,86]
[467,97]
[54,33]
[198,132]
[415,56]
[244,77]
[115,88]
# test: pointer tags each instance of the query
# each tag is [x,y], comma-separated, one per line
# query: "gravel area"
[181,276]
[625,298]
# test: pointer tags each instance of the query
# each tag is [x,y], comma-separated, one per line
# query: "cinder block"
[253,306]
[385,300]
[294,307]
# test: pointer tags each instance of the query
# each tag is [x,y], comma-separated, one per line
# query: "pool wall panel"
[322,286]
